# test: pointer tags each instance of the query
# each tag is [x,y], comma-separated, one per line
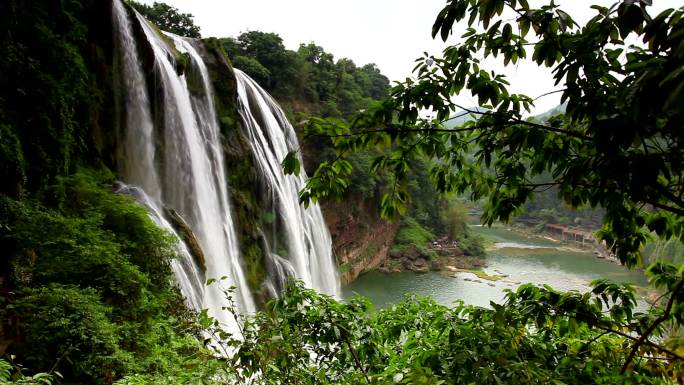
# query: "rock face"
[361,239]
[441,255]
[409,259]
[188,237]
[450,255]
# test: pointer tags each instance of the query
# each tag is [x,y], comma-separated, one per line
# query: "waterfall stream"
[185,269]
[307,239]
[171,160]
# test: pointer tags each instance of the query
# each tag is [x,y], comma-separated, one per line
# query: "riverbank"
[558,241]
[440,255]
[513,258]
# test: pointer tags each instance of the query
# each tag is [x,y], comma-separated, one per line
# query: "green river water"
[521,259]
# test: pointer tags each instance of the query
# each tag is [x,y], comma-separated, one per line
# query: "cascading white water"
[171,158]
[185,270]
[180,166]
[194,181]
[136,155]
[309,247]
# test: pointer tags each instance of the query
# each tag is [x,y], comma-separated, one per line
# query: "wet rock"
[188,237]
[395,254]
[412,253]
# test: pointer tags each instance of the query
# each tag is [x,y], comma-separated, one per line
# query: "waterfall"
[136,154]
[185,269]
[194,182]
[306,237]
[170,157]
[179,165]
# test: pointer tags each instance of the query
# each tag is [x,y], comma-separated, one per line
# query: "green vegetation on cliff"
[48,95]
[91,284]
[309,80]
[168,18]
[85,280]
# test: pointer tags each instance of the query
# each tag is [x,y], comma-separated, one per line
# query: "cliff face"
[361,239]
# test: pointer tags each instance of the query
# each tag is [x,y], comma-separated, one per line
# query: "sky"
[389,33]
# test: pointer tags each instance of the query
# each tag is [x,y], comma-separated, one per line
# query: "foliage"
[618,146]
[455,219]
[412,233]
[252,67]
[610,149]
[168,18]
[426,203]
[671,250]
[550,208]
[45,93]
[472,244]
[66,322]
[308,80]
[10,376]
[91,278]
[539,336]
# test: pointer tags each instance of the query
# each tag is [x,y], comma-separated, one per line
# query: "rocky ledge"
[441,255]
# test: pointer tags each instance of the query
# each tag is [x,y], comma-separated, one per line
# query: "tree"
[309,79]
[378,82]
[169,18]
[619,146]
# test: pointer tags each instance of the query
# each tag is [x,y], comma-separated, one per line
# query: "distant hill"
[559,109]
[462,116]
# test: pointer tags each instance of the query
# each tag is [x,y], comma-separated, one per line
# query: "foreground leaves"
[538,336]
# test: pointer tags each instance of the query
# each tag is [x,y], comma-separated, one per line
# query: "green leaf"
[291,164]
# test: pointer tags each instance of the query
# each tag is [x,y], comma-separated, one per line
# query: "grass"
[479,273]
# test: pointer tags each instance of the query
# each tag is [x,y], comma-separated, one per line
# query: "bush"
[252,68]
[66,325]
[536,337]
[412,233]
[472,245]
[92,278]
[455,219]
[14,376]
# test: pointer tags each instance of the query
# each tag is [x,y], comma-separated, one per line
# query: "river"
[510,254]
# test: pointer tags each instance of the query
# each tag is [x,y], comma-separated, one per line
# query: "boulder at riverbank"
[442,255]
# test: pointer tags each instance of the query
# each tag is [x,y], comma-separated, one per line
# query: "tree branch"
[669,194]
[663,207]
[545,127]
[654,325]
[646,341]
[356,360]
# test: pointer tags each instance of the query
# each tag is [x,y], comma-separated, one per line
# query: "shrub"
[539,336]
[411,232]
[14,376]
[472,245]
[455,219]
[66,325]
[92,280]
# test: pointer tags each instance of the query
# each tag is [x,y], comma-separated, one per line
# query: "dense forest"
[87,289]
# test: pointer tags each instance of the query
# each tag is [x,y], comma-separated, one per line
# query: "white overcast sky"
[390,33]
